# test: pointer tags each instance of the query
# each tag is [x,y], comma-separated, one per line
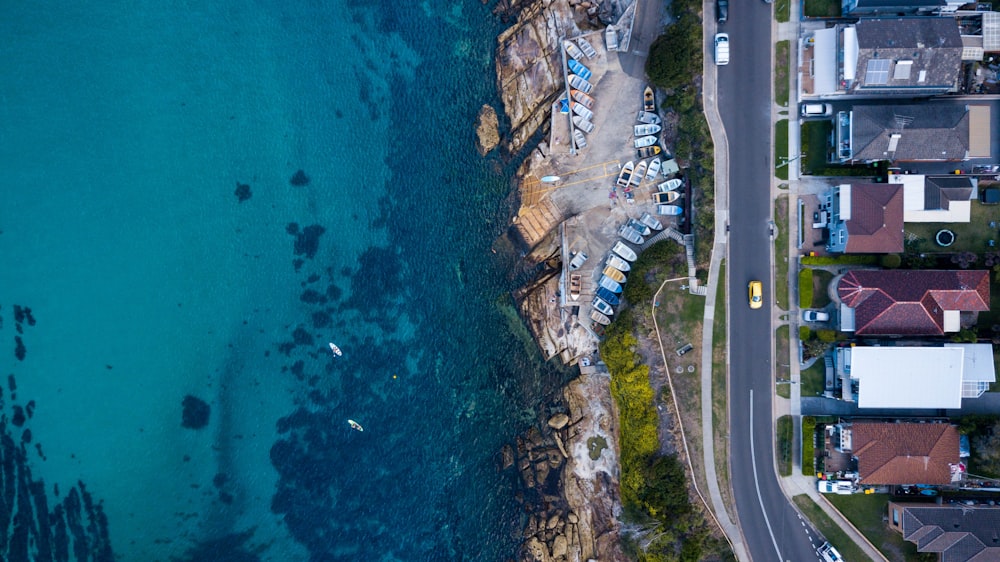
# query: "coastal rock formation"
[487,130]
[196,412]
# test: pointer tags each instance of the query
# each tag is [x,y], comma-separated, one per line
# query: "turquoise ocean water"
[134,276]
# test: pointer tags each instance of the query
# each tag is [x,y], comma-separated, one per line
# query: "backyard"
[821,8]
[972,236]
[815,135]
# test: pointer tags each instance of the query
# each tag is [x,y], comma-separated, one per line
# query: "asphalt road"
[771,527]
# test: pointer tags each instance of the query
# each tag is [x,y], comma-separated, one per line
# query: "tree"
[986,451]
[676,56]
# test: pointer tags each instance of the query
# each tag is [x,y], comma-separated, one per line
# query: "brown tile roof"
[904,453]
[911,302]
[876,224]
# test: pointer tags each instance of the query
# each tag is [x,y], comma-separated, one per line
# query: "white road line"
[756,483]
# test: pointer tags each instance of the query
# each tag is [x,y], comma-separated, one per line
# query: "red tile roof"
[876,223]
[904,453]
[911,302]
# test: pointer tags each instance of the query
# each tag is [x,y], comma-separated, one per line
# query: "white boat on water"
[618,263]
[580,84]
[336,350]
[640,171]
[624,251]
[572,50]
[582,98]
[586,47]
[650,221]
[579,140]
[654,168]
[581,110]
[646,129]
[631,234]
[639,227]
[355,425]
[583,124]
[648,117]
[670,185]
[625,175]
[645,141]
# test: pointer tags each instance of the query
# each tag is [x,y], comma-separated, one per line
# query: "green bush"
[676,56]
[827,336]
[805,288]
[805,334]
[785,434]
[808,445]
[842,259]
[891,261]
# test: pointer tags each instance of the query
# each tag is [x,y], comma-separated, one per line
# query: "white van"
[721,49]
[816,109]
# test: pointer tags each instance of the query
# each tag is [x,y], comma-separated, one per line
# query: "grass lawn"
[782,10]
[970,236]
[815,141]
[781,252]
[822,9]
[821,281]
[833,533]
[813,379]
[781,73]
[781,371]
[781,149]
[866,512]
[784,450]
[720,419]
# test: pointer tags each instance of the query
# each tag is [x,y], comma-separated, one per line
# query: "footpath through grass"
[833,533]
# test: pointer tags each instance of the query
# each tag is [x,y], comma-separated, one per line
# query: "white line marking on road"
[756,483]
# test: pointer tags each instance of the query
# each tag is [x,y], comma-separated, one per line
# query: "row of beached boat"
[609,286]
[581,104]
[647,131]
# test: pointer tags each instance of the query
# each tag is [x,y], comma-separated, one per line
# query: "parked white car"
[842,487]
[815,316]
[721,49]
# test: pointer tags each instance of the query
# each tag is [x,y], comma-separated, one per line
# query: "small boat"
[648,117]
[355,425]
[336,350]
[670,185]
[648,101]
[602,307]
[650,221]
[599,318]
[631,234]
[654,168]
[607,296]
[550,179]
[582,98]
[578,260]
[615,274]
[583,124]
[578,139]
[610,284]
[647,151]
[669,210]
[611,38]
[577,68]
[575,285]
[624,251]
[572,50]
[640,171]
[639,227]
[586,47]
[581,110]
[665,197]
[618,263]
[643,130]
[580,84]
[625,175]
[645,141]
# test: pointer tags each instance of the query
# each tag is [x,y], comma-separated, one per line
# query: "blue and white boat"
[639,227]
[610,284]
[602,307]
[579,69]
[608,297]
[580,84]
[669,210]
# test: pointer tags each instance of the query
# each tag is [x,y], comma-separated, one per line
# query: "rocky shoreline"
[568,463]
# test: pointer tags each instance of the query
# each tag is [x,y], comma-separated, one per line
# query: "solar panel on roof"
[877,71]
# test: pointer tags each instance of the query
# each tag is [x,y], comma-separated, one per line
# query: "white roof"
[908,377]
[845,202]
[979,364]
[850,52]
[824,62]
[914,198]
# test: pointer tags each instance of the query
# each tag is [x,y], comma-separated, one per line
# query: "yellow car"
[756,294]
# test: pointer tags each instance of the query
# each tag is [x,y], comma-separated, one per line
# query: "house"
[866,219]
[862,8]
[901,453]
[911,302]
[933,377]
[957,533]
[912,133]
[906,57]
[936,198]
